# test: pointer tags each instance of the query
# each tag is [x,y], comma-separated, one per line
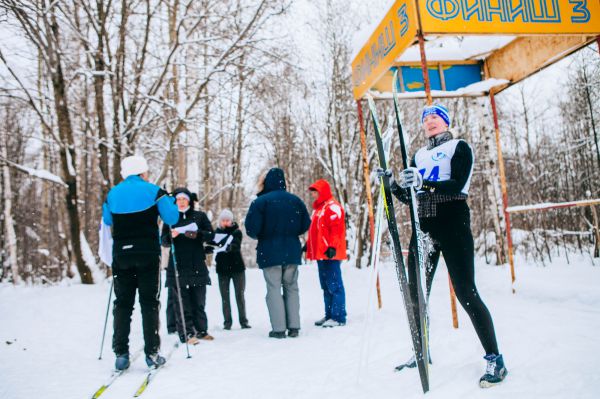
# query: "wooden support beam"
[528,54]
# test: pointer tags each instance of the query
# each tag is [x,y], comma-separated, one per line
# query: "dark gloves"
[330,252]
[304,248]
[380,172]
[206,236]
[191,234]
[209,250]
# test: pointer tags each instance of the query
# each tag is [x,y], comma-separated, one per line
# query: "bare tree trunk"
[9,224]
[492,189]
[118,101]
[206,153]
[181,161]
[67,150]
[236,162]
[99,78]
[591,110]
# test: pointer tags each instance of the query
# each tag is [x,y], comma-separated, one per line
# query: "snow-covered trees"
[214,91]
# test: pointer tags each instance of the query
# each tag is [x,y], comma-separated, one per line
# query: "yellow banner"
[393,35]
[510,16]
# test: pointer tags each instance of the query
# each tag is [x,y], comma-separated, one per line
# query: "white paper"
[187,227]
[105,244]
[218,238]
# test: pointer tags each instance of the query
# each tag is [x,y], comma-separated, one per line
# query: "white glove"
[410,177]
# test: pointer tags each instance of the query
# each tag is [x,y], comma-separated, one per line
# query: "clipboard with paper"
[222,242]
[186,228]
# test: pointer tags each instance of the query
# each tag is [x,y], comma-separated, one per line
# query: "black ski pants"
[239,285]
[136,273]
[172,307]
[193,299]
[450,233]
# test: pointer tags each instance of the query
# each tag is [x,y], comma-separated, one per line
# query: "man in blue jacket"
[132,208]
[276,218]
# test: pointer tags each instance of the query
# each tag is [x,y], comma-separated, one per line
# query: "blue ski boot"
[122,362]
[155,360]
[495,371]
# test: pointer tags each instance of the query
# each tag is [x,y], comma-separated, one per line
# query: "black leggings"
[450,233]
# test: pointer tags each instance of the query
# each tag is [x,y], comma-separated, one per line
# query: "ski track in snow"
[548,333]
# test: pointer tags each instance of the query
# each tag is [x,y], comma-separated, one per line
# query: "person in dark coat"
[189,242]
[230,267]
[276,219]
[132,209]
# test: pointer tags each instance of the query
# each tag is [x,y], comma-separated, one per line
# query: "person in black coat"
[276,219]
[189,242]
[230,267]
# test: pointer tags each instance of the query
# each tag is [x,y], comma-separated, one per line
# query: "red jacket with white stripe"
[328,225]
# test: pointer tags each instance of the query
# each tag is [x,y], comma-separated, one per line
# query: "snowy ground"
[548,332]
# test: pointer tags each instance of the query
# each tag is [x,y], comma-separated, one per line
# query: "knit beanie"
[436,109]
[225,214]
[133,165]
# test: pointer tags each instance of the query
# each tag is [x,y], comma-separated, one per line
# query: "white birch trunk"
[9,225]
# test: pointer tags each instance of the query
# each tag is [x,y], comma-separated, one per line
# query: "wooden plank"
[551,205]
[442,77]
[433,64]
[528,54]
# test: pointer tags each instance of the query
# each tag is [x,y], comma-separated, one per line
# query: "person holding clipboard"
[189,234]
[230,267]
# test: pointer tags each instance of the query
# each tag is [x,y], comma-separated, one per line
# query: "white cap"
[133,165]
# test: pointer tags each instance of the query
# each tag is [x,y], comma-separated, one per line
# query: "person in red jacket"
[327,245]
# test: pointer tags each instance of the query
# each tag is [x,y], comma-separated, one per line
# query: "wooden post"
[424,68]
[594,213]
[504,191]
[596,232]
[365,156]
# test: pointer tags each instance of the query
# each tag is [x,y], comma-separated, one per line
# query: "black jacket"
[190,255]
[230,261]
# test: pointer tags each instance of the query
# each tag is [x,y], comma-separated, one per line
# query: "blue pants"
[330,276]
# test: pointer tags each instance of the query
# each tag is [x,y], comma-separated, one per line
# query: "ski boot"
[122,362]
[320,322]
[293,332]
[155,360]
[495,371]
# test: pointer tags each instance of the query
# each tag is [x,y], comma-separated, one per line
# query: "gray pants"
[284,308]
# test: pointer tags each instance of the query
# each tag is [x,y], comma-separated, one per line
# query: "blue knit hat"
[437,109]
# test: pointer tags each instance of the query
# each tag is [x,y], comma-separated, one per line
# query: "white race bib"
[435,164]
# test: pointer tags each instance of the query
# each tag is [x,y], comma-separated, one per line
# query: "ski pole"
[106,317]
[185,337]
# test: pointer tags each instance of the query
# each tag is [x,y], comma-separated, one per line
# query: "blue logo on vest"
[438,156]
